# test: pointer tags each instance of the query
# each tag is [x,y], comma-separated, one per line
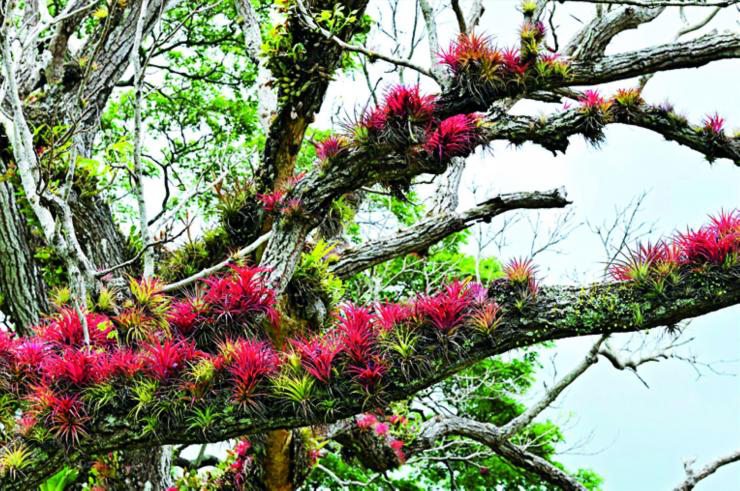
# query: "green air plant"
[14,458]
[144,394]
[296,390]
[203,418]
[99,396]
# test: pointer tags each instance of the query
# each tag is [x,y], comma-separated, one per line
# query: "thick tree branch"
[555,313]
[490,435]
[592,40]
[429,231]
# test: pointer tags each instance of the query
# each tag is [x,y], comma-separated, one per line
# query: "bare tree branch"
[431,230]
[693,477]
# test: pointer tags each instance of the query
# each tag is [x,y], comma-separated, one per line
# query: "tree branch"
[693,478]
[556,312]
[431,230]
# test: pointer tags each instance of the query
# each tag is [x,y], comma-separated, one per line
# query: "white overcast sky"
[636,438]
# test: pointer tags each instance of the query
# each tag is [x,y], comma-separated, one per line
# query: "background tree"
[211,103]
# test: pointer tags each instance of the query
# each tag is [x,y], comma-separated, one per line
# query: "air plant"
[185,316]
[714,125]
[628,98]
[136,324]
[475,55]
[68,417]
[551,65]
[358,335]
[717,243]
[147,293]
[297,390]
[390,315]
[522,273]
[76,367]
[402,342]
[249,363]
[272,202]
[486,318]
[446,310]
[331,147]
[14,458]
[318,354]
[203,418]
[637,264]
[164,360]
[407,105]
[513,62]
[454,137]
[369,374]
[242,296]
[531,35]
[123,363]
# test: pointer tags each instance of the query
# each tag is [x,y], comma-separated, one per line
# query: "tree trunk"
[22,291]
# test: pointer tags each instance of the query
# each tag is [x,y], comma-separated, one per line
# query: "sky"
[636,437]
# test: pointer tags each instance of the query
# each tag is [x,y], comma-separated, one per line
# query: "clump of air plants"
[522,275]
[552,66]
[531,36]
[626,101]
[65,329]
[477,66]
[237,206]
[14,458]
[596,110]
[248,363]
[401,121]
[716,244]
[455,136]
[297,390]
[446,311]
[656,265]
[240,301]
[272,202]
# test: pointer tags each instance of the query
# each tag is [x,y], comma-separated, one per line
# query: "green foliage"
[60,480]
